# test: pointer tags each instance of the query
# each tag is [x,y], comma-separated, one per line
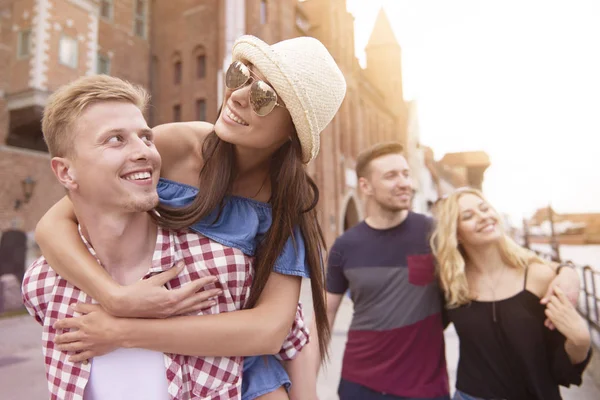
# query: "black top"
[506,352]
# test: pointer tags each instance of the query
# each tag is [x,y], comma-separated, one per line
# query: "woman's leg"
[277,394]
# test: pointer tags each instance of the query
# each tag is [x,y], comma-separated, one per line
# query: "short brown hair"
[379,150]
[69,101]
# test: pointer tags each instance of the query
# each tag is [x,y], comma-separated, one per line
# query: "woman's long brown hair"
[294,196]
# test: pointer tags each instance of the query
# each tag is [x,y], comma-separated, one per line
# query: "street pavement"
[22,367]
[22,375]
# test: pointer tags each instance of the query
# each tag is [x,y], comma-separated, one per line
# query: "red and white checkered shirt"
[47,297]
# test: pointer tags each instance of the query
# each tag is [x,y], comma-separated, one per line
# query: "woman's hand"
[563,315]
[568,281]
[95,333]
[149,298]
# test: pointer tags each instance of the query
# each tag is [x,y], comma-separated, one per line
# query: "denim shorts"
[458,395]
[262,375]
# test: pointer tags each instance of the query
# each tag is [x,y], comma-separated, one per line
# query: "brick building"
[179,50]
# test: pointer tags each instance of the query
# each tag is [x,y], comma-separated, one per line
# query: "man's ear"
[64,171]
[365,186]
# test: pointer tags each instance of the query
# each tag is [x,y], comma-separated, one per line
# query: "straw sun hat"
[305,76]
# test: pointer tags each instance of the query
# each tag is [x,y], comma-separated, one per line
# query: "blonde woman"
[493,289]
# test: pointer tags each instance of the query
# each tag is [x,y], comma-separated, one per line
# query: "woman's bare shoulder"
[179,142]
[539,276]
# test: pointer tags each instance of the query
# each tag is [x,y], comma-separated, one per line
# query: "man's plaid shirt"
[47,297]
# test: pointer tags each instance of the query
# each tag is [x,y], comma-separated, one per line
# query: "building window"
[103,64]
[201,66]
[24,45]
[263,11]
[177,113]
[140,18]
[68,51]
[177,72]
[201,110]
[106,9]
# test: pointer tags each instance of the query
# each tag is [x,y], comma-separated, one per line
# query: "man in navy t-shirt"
[395,347]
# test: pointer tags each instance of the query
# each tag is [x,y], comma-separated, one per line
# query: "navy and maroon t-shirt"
[396,340]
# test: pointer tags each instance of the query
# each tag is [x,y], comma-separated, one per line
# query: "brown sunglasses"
[263,97]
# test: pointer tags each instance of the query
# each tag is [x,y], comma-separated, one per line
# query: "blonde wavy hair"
[451,257]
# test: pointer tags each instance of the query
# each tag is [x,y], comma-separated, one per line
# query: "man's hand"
[149,298]
[568,281]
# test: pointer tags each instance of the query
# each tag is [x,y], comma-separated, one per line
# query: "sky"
[518,79]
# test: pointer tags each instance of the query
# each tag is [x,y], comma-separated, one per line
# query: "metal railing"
[590,278]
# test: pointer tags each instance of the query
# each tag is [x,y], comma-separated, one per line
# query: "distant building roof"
[383,33]
[466,159]
[439,170]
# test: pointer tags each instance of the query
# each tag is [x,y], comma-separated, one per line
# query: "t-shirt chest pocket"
[421,269]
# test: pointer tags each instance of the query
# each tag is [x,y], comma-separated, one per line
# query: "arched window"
[177,72]
[200,60]
[177,68]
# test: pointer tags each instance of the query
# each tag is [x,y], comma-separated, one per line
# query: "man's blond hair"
[364,158]
[68,102]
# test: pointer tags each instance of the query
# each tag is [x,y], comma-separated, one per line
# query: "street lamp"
[27,186]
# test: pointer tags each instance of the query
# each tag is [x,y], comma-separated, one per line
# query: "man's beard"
[142,205]
[393,208]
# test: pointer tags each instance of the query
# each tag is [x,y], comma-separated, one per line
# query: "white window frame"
[60,49]
[143,18]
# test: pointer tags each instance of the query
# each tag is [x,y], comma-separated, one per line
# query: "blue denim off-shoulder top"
[243,224]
